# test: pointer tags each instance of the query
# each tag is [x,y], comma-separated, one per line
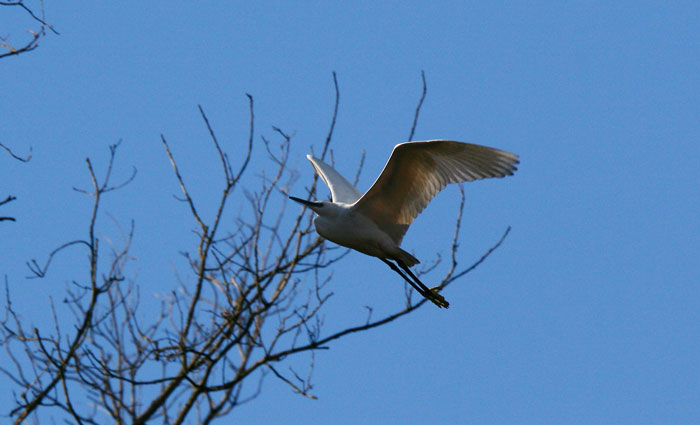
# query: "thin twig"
[420,104]
[222,156]
[183,188]
[335,116]
[21,4]
[17,157]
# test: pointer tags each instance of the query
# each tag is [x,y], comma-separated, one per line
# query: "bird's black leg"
[417,284]
[396,269]
[415,278]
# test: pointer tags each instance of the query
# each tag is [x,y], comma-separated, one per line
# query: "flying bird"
[375,223]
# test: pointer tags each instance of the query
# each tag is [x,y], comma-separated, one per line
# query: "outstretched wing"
[341,189]
[417,171]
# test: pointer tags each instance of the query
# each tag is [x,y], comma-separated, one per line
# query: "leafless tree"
[254,300]
[40,26]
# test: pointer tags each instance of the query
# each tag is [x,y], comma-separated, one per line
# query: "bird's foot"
[438,299]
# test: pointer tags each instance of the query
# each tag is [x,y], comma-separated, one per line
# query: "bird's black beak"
[304,202]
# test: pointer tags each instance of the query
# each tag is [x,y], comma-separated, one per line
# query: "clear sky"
[588,314]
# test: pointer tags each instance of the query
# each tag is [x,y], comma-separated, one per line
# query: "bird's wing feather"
[417,171]
[341,189]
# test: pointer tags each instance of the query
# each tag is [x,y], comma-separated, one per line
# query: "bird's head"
[322,208]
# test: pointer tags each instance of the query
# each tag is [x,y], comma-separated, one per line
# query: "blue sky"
[588,314]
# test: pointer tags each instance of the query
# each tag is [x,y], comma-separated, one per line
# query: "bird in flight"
[375,223]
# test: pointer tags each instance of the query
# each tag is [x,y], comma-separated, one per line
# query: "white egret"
[375,223]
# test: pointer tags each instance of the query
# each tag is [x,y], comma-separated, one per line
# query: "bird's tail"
[406,258]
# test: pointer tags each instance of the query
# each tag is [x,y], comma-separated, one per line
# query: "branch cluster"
[36,34]
[253,299]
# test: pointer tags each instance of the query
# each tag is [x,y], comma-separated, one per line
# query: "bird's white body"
[341,224]
[375,222]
